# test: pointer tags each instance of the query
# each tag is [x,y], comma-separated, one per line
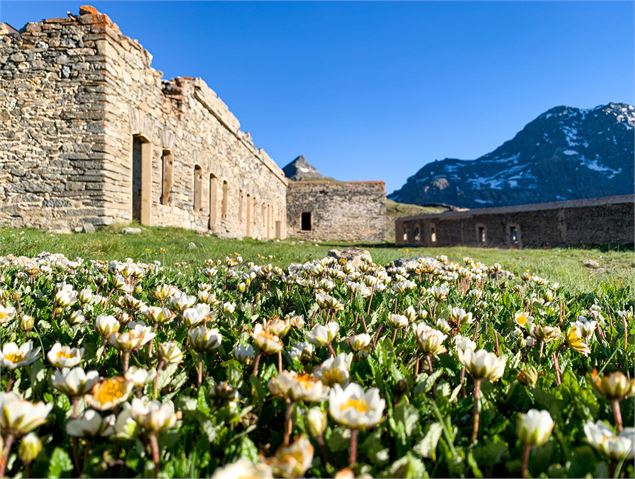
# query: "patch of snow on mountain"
[571,135]
[595,165]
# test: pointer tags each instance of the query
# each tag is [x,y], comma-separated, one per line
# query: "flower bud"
[27,322]
[534,428]
[316,421]
[528,376]
[30,447]
[614,386]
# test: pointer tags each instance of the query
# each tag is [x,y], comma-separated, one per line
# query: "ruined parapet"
[92,133]
[336,210]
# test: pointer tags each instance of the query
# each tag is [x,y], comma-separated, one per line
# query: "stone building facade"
[91,133]
[598,221]
[335,210]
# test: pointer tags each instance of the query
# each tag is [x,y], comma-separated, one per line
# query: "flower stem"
[617,413]
[429,363]
[477,390]
[156,379]
[525,461]
[4,457]
[556,366]
[279,361]
[199,376]
[126,361]
[154,447]
[322,446]
[256,364]
[331,350]
[288,422]
[353,451]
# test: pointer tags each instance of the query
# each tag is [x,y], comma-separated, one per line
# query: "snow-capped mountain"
[565,153]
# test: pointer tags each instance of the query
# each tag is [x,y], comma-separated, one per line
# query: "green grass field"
[171,246]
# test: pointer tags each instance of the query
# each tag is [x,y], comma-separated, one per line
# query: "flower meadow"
[336,367]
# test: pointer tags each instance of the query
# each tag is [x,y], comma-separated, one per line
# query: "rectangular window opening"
[481,234]
[306,221]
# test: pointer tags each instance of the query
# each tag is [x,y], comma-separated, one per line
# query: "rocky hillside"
[566,153]
[301,169]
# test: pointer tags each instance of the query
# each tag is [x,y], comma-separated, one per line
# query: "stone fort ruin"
[91,134]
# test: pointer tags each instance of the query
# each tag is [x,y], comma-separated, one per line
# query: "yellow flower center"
[3,314]
[15,357]
[110,390]
[64,354]
[359,405]
[306,380]
[521,319]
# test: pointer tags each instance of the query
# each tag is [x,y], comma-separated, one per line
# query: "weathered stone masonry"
[597,221]
[92,133]
[334,210]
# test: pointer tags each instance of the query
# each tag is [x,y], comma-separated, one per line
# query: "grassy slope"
[170,246]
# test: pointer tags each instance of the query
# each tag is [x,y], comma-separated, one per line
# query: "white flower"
[294,460]
[156,314]
[13,356]
[243,469]
[355,408]
[617,447]
[463,344]
[202,338]
[182,301]
[74,382]
[430,340]
[170,352]
[298,387]
[107,325]
[267,342]
[359,342]
[334,370]
[20,416]
[302,351]
[483,364]
[534,428]
[109,393]
[85,296]
[90,423]
[323,335]
[66,296]
[460,316]
[153,416]
[196,315]
[398,320]
[245,353]
[523,319]
[64,356]
[7,313]
[139,377]
[134,337]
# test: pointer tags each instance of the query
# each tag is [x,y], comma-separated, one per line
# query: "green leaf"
[428,445]
[407,467]
[60,462]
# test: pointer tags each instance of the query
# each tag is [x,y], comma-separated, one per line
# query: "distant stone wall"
[343,211]
[569,223]
[92,133]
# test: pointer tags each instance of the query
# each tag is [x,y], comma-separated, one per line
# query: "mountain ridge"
[564,153]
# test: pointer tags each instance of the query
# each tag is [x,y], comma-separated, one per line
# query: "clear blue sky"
[376,90]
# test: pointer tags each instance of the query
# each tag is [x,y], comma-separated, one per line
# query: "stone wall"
[344,211]
[52,123]
[601,221]
[94,134]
